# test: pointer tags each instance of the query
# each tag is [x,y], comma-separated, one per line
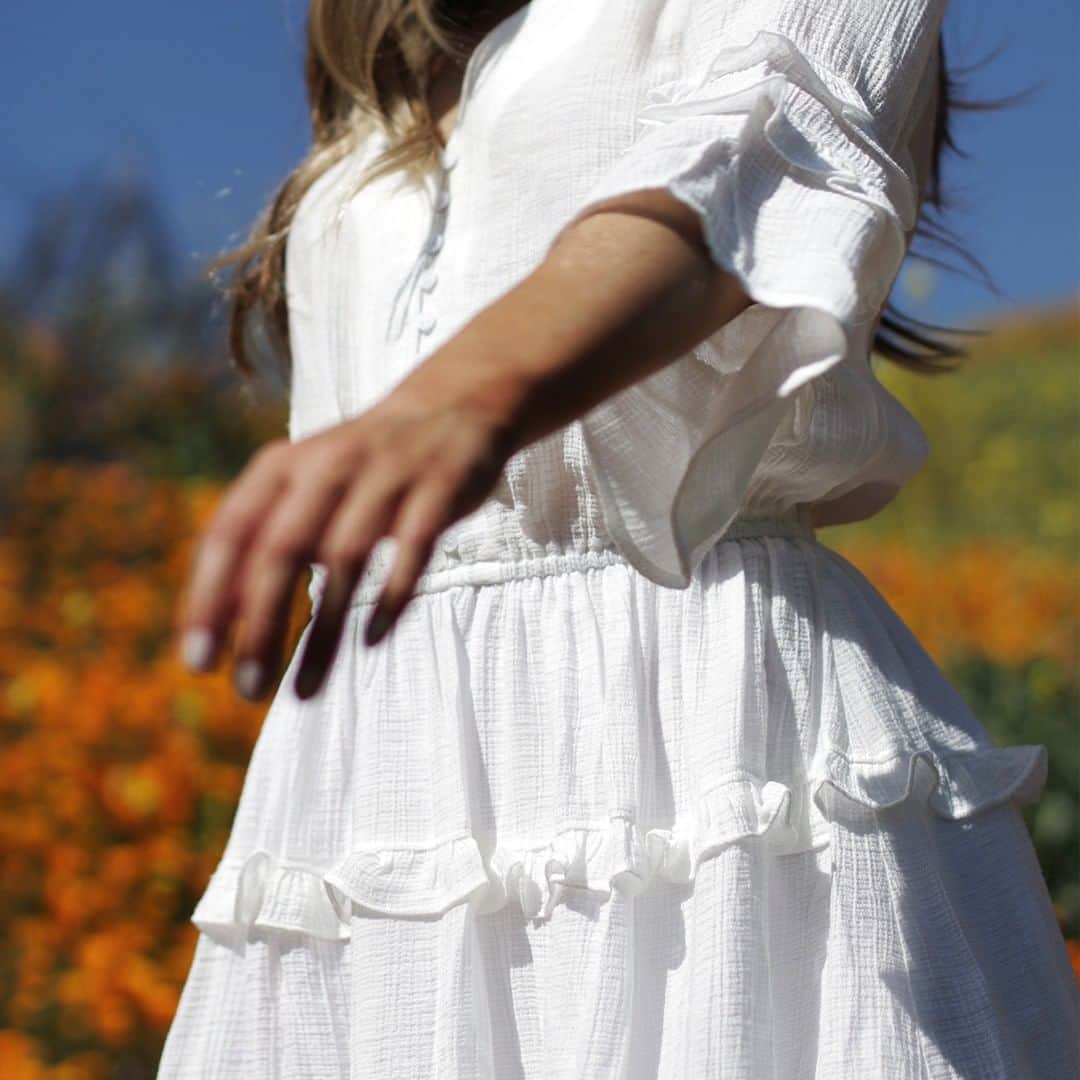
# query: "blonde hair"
[370,62]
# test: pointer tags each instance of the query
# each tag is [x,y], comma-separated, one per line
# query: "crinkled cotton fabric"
[647,781]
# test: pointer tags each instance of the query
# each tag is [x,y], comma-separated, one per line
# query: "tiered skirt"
[566,823]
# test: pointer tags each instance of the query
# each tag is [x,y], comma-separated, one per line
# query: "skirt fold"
[578,825]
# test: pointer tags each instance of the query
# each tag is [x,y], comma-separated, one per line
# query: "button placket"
[428,281]
[427,316]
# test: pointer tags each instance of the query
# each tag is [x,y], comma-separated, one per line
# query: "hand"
[407,468]
[624,290]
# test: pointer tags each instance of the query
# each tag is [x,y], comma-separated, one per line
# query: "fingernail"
[379,624]
[248,678]
[197,649]
[307,682]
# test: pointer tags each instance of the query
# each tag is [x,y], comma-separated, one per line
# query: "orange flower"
[1074,955]
[20,1056]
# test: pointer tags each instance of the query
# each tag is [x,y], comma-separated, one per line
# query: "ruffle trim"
[775,153]
[804,114]
[763,109]
[266,891]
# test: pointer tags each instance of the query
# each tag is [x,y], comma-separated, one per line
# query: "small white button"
[427,322]
[428,280]
[434,244]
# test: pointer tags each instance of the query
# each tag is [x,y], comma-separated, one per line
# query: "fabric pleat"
[799,133]
[566,826]
[877,956]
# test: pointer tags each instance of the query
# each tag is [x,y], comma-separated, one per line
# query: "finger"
[286,544]
[359,522]
[322,641]
[424,513]
[260,637]
[209,600]
[361,519]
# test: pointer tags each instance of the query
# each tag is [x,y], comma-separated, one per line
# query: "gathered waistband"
[444,570]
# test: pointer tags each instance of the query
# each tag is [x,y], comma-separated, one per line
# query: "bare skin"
[644,291]
[432,450]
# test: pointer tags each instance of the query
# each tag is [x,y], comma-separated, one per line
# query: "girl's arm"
[627,289]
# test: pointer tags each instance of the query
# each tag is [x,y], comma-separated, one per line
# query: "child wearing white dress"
[639,779]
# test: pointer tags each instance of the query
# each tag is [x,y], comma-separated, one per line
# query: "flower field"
[119,771]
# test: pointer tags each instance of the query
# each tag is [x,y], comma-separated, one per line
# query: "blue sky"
[206,100]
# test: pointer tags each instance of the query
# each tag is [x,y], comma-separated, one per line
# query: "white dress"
[647,781]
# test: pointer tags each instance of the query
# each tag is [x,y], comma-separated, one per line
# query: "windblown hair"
[370,62]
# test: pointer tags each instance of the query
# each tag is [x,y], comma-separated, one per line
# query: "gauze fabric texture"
[647,781]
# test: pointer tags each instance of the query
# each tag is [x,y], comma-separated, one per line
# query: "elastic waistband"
[444,572]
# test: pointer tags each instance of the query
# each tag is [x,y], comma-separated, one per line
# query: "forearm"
[625,292]
[620,295]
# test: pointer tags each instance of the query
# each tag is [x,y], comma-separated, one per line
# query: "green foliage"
[1038,703]
[110,350]
[183,420]
[1004,434]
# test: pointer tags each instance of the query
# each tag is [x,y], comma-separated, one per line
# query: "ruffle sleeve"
[786,131]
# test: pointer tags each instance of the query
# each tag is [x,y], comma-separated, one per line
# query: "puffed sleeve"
[783,124]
